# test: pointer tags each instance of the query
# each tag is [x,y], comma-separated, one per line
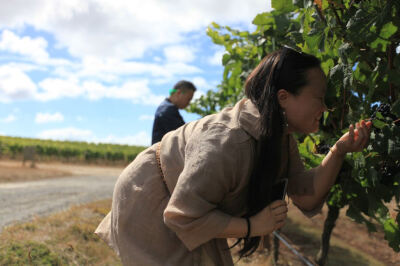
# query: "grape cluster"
[384,109]
[322,148]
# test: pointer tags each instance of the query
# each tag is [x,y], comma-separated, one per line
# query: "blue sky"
[96,70]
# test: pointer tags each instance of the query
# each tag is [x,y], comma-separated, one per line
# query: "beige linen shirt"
[206,164]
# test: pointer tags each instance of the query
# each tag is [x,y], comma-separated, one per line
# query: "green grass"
[28,253]
[65,238]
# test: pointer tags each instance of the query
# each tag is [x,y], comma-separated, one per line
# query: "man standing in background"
[167,117]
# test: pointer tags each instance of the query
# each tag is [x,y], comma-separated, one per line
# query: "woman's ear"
[283,96]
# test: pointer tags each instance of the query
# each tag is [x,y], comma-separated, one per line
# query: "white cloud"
[141,139]
[15,84]
[203,84]
[179,53]
[70,133]
[26,46]
[216,59]
[106,44]
[178,68]
[24,67]
[107,69]
[139,25]
[29,49]
[10,118]
[95,90]
[75,134]
[146,117]
[79,118]
[52,88]
[48,118]
[136,91]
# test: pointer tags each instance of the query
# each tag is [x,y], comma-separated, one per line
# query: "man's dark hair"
[184,84]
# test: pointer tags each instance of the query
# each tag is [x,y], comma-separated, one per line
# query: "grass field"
[67,238]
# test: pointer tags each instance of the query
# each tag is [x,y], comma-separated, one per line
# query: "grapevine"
[356,42]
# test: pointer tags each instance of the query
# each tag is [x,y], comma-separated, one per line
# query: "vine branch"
[391,53]
[344,108]
[320,15]
[336,15]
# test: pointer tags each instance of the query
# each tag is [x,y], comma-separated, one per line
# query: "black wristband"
[248,227]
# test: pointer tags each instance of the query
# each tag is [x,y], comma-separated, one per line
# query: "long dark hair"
[282,69]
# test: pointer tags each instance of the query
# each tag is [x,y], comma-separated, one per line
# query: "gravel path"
[22,201]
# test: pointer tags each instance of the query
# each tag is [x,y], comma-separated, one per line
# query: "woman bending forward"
[211,179]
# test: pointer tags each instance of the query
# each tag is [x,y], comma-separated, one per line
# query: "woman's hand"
[269,219]
[355,139]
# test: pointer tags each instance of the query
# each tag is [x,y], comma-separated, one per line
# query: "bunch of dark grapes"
[322,148]
[385,110]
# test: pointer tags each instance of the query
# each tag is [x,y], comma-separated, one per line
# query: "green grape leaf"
[392,234]
[380,44]
[378,123]
[326,65]
[225,59]
[215,25]
[282,5]
[263,19]
[388,30]
[379,116]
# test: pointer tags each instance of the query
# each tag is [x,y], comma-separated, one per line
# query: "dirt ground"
[349,241]
[351,244]
[346,235]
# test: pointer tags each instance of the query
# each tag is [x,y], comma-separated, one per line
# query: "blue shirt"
[167,118]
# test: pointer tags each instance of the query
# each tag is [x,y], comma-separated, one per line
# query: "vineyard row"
[44,150]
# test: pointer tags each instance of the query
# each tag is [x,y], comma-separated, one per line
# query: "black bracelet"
[248,228]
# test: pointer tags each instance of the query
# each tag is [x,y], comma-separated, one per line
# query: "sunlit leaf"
[378,123]
[263,19]
[282,5]
[388,30]
[392,234]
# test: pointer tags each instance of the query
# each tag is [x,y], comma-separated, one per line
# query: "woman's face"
[303,111]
